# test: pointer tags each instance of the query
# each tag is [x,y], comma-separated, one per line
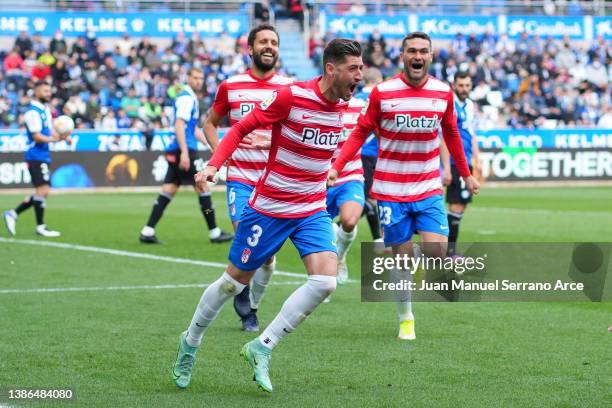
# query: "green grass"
[115,348]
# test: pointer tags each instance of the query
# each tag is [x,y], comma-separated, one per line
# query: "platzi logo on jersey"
[417,122]
[246,108]
[314,136]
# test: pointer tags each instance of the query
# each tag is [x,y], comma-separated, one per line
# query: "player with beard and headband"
[288,202]
[237,96]
[408,110]
[457,194]
[40,133]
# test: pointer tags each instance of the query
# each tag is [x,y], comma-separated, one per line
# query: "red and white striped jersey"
[354,168]
[408,119]
[238,95]
[306,130]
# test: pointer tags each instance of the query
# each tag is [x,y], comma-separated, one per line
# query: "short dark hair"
[40,83]
[261,27]
[194,69]
[462,75]
[416,34]
[339,48]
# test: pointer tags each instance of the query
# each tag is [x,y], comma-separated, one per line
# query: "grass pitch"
[110,329]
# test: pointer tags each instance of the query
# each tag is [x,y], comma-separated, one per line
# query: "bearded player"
[408,110]
[288,203]
[237,96]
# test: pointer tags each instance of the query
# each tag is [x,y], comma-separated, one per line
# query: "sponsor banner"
[602,26]
[93,169]
[555,138]
[347,25]
[74,24]
[12,141]
[556,27]
[534,164]
[438,26]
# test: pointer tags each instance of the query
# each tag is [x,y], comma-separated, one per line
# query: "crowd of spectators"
[530,82]
[526,83]
[129,85]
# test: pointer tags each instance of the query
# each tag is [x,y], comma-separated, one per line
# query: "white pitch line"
[129,287]
[130,254]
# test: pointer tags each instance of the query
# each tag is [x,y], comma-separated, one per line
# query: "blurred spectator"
[23,43]
[123,121]
[58,44]
[130,103]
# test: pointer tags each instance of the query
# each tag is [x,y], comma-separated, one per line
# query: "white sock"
[259,283]
[211,302]
[403,299]
[344,240]
[297,307]
[147,231]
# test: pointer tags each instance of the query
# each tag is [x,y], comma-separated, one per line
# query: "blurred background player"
[40,133]
[408,110]
[288,202]
[346,197]
[457,194]
[237,96]
[369,155]
[181,155]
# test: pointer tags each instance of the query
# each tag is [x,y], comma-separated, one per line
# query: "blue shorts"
[401,220]
[260,236]
[338,195]
[237,198]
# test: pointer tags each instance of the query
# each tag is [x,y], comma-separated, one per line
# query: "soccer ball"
[63,125]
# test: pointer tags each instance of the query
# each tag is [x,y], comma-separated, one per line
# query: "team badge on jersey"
[246,254]
[265,104]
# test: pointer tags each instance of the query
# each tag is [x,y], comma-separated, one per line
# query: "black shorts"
[369,164]
[175,175]
[40,173]
[456,193]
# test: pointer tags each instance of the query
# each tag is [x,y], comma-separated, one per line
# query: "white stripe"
[436,85]
[414,104]
[317,118]
[298,161]
[129,254]
[242,95]
[405,189]
[390,125]
[247,174]
[352,165]
[403,146]
[407,167]
[250,155]
[240,78]
[128,287]
[280,80]
[282,183]
[273,206]
[356,103]
[395,84]
[236,115]
[305,93]
[351,177]
[350,118]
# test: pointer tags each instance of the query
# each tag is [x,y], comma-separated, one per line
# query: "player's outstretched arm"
[211,125]
[447,176]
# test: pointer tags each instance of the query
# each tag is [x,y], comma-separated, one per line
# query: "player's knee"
[324,285]
[349,222]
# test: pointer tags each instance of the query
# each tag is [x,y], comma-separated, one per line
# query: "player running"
[457,194]
[407,110]
[40,133]
[237,96]
[182,156]
[288,202]
[346,197]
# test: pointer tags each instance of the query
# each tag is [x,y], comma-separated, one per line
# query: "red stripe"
[405,178]
[298,174]
[405,199]
[247,165]
[409,137]
[418,157]
[290,196]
